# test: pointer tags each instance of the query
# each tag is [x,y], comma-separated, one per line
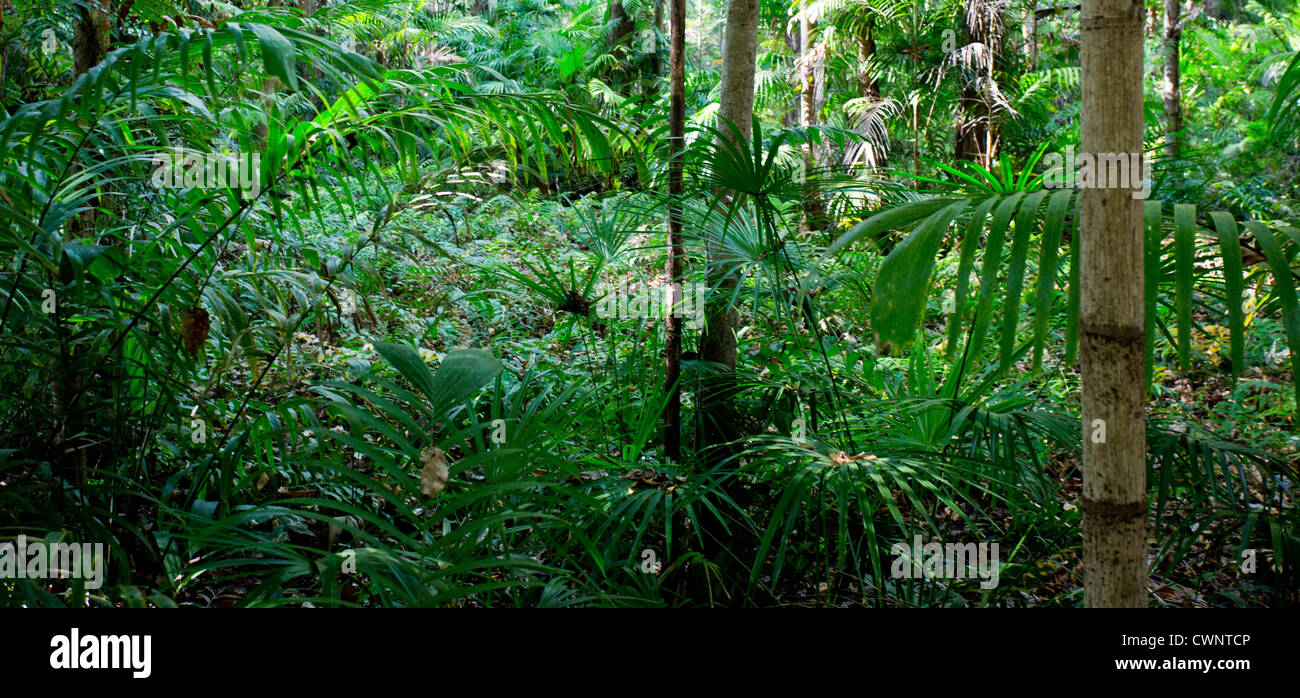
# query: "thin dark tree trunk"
[1172,88]
[676,251]
[1111,330]
[90,39]
[867,84]
[650,85]
[90,45]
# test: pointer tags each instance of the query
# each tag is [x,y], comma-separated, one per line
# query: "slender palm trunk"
[791,36]
[740,47]
[650,82]
[867,84]
[1111,330]
[1172,88]
[90,45]
[1033,35]
[718,340]
[814,214]
[677,134]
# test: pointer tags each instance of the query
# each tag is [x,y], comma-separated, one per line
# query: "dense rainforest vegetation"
[650,302]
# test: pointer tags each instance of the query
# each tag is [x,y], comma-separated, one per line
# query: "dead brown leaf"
[434,473]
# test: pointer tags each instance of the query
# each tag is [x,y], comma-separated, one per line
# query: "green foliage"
[368,374]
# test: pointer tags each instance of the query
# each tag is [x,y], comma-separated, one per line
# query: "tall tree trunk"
[90,39]
[867,84]
[90,45]
[791,36]
[677,136]
[1111,330]
[619,43]
[974,116]
[1030,32]
[718,340]
[1172,88]
[814,212]
[807,89]
[977,129]
[739,51]
[624,25]
[650,83]
[308,8]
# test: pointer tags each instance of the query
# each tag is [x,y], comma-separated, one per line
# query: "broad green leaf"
[1016,275]
[967,260]
[988,279]
[1230,245]
[1072,304]
[464,371]
[893,218]
[1284,289]
[1057,207]
[408,363]
[277,54]
[902,286]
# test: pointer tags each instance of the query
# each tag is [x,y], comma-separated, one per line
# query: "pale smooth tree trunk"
[1030,32]
[1172,88]
[718,340]
[677,135]
[1111,329]
[739,51]
[807,90]
[814,214]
